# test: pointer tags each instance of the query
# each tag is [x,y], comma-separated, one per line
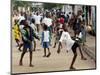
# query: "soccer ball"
[89,28]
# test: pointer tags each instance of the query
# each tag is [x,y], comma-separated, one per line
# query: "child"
[27,37]
[70,44]
[58,32]
[48,21]
[21,26]
[78,39]
[83,31]
[16,32]
[57,37]
[46,40]
[37,19]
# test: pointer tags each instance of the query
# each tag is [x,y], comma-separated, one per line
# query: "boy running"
[27,37]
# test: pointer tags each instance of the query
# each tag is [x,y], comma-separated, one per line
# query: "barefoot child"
[78,39]
[17,33]
[70,44]
[46,40]
[27,37]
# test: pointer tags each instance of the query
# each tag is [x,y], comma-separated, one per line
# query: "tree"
[51,5]
[16,4]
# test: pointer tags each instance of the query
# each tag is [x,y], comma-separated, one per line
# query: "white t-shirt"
[47,21]
[46,36]
[65,37]
[37,19]
[21,28]
[79,36]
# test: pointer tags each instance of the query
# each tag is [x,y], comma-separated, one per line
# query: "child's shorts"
[45,44]
[26,46]
[74,47]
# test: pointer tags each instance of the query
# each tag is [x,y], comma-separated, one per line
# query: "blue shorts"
[45,44]
[26,46]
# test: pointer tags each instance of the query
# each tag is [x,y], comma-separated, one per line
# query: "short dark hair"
[33,21]
[22,22]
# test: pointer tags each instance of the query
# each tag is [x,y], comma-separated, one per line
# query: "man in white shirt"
[37,19]
[47,21]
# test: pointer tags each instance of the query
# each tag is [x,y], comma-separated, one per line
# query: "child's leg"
[34,45]
[82,56]
[55,42]
[73,61]
[74,57]
[49,53]
[31,59]
[22,55]
[58,51]
[37,27]
[17,41]
[20,47]
[48,50]
[54,45]
[44,52]
[30,50]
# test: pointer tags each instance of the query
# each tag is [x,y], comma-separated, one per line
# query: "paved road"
[55,62]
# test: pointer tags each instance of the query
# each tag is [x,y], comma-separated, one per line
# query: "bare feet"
[20,64]
[44,55]
[31,65]
[48,54]
[58,51]
[83,58]
[72,68]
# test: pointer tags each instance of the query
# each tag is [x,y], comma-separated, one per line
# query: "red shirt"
[62,20]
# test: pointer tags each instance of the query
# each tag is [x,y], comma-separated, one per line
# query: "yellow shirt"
[16,31]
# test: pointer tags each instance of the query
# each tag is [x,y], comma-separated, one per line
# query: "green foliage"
[51,5]
[16,3]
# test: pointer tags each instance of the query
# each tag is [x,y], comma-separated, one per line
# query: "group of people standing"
[44,26]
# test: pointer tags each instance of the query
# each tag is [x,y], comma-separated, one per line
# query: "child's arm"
[42,37]
[35,35]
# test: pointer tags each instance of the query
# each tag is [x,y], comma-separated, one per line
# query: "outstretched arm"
[35,35]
